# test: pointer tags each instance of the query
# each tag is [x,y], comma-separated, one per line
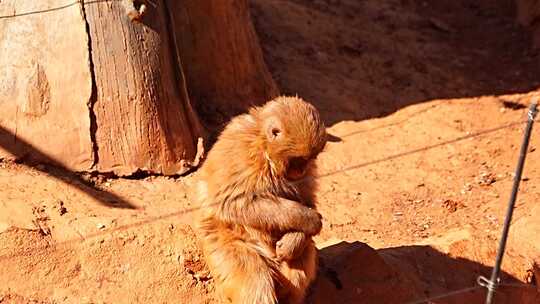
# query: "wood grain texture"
[226,73]
[143,118]
[45,83]
[85,87]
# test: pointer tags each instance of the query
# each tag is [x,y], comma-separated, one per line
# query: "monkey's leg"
[242,275]
[299,273]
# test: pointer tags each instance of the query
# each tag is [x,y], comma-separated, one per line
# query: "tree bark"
[85,87]
[45,83]
[226,73]
[143,116]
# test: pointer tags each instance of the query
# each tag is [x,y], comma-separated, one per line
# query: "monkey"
[256,189]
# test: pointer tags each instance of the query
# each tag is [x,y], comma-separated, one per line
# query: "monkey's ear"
[273,128]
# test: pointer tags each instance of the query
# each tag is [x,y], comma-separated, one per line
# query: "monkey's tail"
[244,272]
[282,285]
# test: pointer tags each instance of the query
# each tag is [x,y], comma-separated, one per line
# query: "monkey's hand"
[316,223]
[290,246]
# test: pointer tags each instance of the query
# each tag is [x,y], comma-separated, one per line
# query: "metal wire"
[445,295]
[468,289]
[57,8]
[492,283]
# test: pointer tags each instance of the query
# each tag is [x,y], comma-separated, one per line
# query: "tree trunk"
[45,83]
[226,73]
[85,87]
[143,117]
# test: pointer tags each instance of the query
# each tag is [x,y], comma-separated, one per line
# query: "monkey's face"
[294,135]
[292,156]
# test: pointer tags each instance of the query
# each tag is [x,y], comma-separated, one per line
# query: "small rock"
[60,207]
[495,195]
[202,276]
[100,226]
[486,179]
[452,206]
[4,227]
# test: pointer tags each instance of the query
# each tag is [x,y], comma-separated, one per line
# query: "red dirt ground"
[426,103]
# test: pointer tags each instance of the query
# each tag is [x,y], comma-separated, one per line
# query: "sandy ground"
[426,104]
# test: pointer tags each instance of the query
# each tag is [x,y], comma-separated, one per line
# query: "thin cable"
[469,289]
[491,284]
[445,295]
[52,9]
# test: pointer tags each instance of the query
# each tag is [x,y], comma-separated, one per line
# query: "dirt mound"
[356,273]
[353,272]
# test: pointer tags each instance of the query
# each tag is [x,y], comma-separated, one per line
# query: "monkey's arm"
[267,214]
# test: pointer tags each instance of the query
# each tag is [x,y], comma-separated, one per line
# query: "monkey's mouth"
[294,174]
[297,168]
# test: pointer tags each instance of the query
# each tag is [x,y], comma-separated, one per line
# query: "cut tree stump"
[143,119]
[45,83]
[88,88]
[220,35]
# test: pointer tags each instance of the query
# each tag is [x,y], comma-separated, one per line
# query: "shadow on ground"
[355,273]
[362,59]
[25,153]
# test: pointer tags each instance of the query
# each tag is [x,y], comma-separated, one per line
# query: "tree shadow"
[363,59]
[355,273]
[26,153]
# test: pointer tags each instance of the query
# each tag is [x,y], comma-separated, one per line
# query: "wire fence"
[490,284]
[470,290]
[319,176]
[388,158]
[493,282]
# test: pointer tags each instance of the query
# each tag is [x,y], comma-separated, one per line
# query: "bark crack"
[194,128]
[93,95]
